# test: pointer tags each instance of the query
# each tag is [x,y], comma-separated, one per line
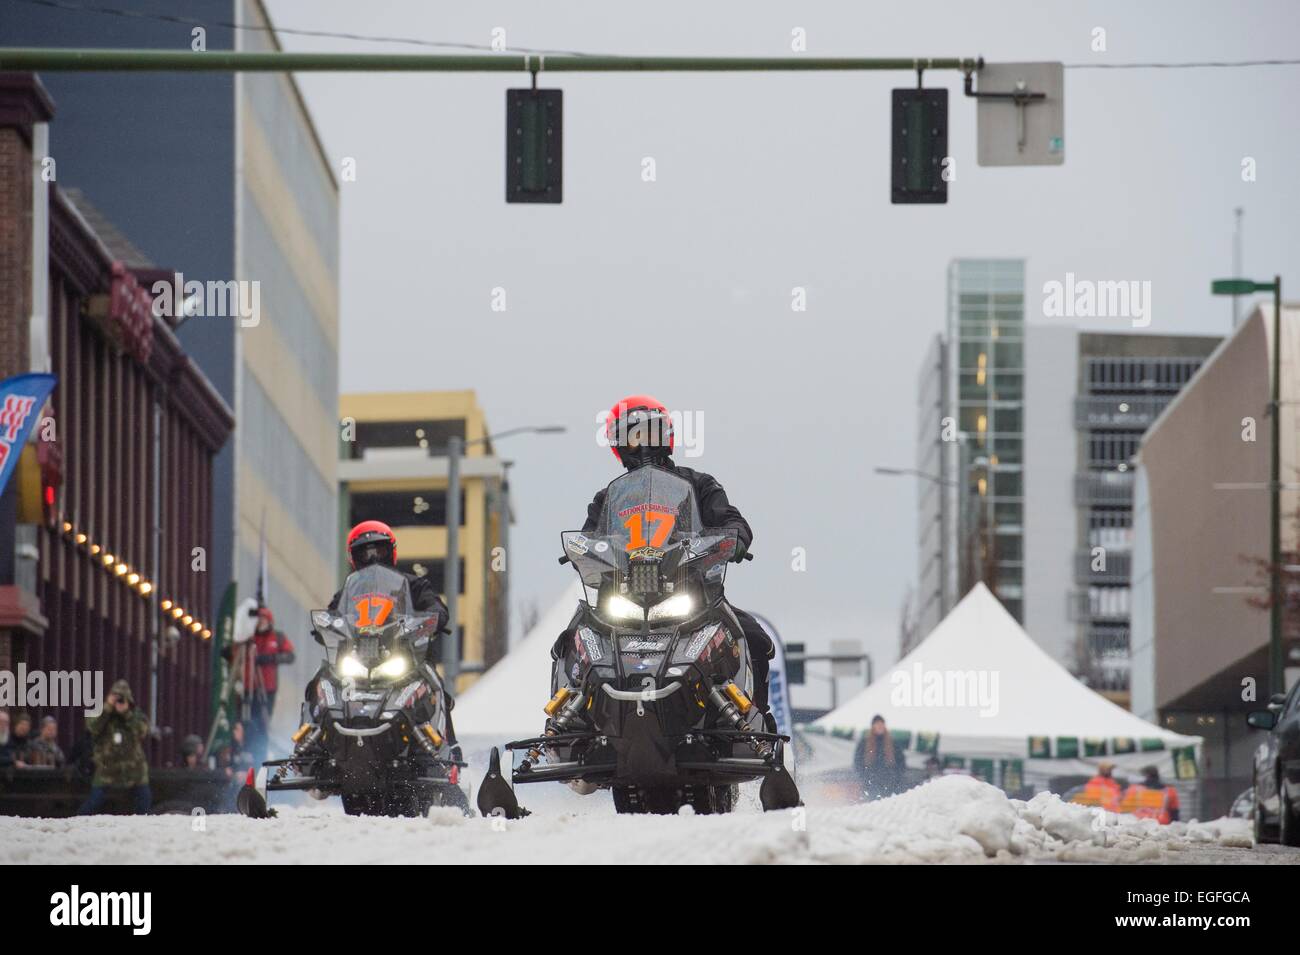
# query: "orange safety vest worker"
[1100,791]
[1147,802]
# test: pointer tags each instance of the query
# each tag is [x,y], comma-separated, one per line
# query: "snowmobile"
[376,732]
[652,685]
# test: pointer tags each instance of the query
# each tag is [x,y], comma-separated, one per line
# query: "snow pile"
[953,819]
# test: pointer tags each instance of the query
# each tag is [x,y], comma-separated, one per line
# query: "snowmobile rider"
[640,433]
[373,542]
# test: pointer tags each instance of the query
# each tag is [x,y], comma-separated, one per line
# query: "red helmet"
[376,535]
[642,417]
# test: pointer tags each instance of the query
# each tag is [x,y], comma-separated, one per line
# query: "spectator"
[6,741]
[1151,799]
[45,750]
[1101,790]
[274,650]
[118,737]
[933,768]
[21,737]
[192,752]
[882,762]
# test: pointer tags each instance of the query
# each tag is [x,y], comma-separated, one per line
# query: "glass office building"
[986,331]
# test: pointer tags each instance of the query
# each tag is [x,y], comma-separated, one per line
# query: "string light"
[135,580]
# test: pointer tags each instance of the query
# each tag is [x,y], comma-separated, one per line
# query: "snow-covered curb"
[954,819]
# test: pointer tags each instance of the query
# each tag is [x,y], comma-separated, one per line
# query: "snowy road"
[951,820]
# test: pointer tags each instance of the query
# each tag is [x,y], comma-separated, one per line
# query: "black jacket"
[715,509]
[424,599]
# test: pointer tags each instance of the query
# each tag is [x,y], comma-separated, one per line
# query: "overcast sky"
[682,287]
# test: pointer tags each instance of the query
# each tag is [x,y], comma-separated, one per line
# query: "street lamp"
[1246,287]
[451,579]
[914,472]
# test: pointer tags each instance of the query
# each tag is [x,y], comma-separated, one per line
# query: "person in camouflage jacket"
[118,736]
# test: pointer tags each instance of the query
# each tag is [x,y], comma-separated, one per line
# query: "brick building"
[103,569]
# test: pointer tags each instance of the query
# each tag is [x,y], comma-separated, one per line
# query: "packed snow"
[953,819]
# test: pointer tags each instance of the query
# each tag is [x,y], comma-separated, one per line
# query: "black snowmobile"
[652,683]
[376,733]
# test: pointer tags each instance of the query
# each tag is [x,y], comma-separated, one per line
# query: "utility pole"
[1237,214]
[451,565]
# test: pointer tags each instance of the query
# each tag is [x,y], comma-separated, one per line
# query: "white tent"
[980,688]
[507,702]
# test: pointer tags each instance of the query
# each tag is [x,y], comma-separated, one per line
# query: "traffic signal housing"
[534,145]
[920,146]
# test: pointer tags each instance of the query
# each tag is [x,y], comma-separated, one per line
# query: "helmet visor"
[643,428]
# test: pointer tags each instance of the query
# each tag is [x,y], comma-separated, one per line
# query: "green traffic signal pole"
[1246,287]
[235,61]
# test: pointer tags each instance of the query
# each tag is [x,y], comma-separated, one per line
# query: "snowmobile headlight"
[351,666]
[674,607]
[393,667]
[621,608]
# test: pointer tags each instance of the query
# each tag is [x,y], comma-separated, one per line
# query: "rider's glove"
[741,551]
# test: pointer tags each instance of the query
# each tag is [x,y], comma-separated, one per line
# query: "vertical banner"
[223,642]
[21,399]
[778,694]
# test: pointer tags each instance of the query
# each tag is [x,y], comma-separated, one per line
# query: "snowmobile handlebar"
[564,558]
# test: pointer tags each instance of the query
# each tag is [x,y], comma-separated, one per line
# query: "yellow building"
[393,468]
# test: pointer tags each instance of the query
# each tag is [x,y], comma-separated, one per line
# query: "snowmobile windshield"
[650,516]
[375,597]
[649,507]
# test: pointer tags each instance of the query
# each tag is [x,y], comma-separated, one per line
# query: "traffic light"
[794,665]
[920,146]
[534,145]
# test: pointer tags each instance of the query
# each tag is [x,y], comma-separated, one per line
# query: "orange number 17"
[662,522]
[383,606]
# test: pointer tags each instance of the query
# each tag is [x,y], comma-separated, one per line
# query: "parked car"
[1277,770]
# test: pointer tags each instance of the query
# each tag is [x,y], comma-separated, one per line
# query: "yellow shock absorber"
[434,736]
[739,698]
[553,706]
[302,731]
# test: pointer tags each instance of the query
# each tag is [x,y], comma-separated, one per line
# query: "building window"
[426,508]
[1109,449]
[435,568]
[431,435]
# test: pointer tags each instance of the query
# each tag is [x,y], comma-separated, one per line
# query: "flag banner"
[778,687]
[221,705]
[21,399]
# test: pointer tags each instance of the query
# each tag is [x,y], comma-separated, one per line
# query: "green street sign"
[1238,287]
